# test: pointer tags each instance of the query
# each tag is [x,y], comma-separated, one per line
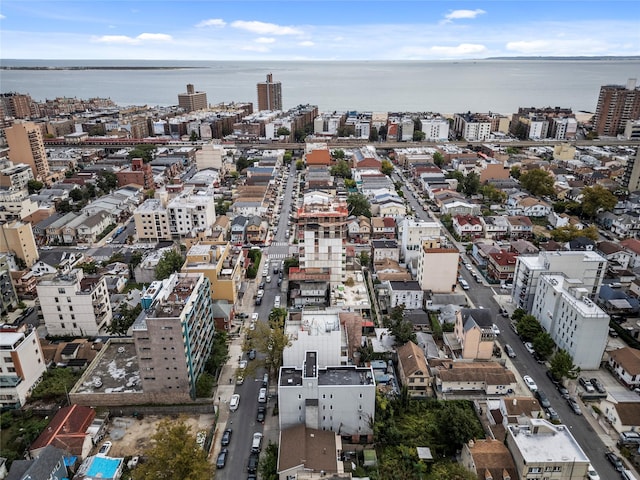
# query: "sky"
[312,30]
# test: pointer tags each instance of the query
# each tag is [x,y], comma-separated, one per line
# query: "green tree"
[269,463]
[299,164]
[597,198]
[418,135]
[64,206]
[493,194]
[287,157]
[283,132]
[471,184]
[401,329]
[537,182]
[438,159]
[170,262]
[349,183]
[450,471]
[107,181]
[543,344]
[359,205]
[386,167]
[244,162]
[76,194]
[34,186]
[365,258]
[517,314]
[194,136]
[174,455]
[338,154]
[569,232]
[457,424]
[55,384]
[341,169]
[562,366]
[204,385]
[145,151]
[270,342]
[457,175]
[89,268]
[528,328]
[382,132]
[122,321]
[373,134]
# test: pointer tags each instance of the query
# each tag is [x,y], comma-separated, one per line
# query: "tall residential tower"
[26,145]
[269,95]
[192,100]
[617,104]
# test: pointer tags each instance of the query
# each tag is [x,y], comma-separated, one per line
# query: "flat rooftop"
[115,370]
[544,442]
[345,376]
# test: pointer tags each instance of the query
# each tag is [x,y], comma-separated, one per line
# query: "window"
[61,290]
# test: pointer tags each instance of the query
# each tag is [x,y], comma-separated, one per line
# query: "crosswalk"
[278,256]
[279,244]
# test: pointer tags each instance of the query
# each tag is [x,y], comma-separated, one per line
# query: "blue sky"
[310,30]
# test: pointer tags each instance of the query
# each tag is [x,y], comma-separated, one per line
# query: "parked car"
[543,399]
[504,313]
[226,437]
[256,443]
[615,461]
[262,395]
[509,350]
[252,464]
[234,402]
[529,347]
[592,474]
[552,415]
[104,449]
[530,383]
[496,330]
[597,384]
[553,379]
[586,384]
[222,458]
[252,354]
[262,413]
[573,404]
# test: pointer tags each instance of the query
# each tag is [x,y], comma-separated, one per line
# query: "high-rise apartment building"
[322,229]
[269,95]
[616,105]
[16,237]
[631,177]
[26,145]
[192,100]
[73,304]
[174,335]
[21,364]
[16,105]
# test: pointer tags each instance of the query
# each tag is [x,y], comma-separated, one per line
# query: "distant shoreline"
[93,68]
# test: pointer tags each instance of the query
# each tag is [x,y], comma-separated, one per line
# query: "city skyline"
[309,30]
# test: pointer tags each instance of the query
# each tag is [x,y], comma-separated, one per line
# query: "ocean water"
[417,86]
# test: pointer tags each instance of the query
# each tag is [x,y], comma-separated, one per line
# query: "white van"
[276,302]
[628,475]
[256,444]
[262,396]
[464,284]
[234,402]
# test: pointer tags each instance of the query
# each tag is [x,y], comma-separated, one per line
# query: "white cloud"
[462,14]
[212,22]
[265,40]
[263,28]
[255,48]
[124,39]
[2,17]
[459,50]
[307,43]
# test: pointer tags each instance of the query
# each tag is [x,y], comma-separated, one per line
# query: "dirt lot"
[136,434]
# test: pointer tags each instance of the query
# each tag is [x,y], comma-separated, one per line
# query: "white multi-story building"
[340,399]
[210,156]
[406,127]
[73,304]
[576,324]
[191,212]
[586,266]
[412,234]
[322,230]
[437,269]
[21,364]
[319,331]
[471,127]
[541,449]
[152,221]
[435,129]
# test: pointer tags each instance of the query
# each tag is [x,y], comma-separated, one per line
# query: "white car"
[530,383]
[468,266]
[592,474]
[104,449]
[496,330]
[234,402]
[529,347]
[254,317]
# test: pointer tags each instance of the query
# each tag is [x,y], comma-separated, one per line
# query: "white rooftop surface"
[537,262]
[563,284]
[558,445]
[320,322]
[9,338]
